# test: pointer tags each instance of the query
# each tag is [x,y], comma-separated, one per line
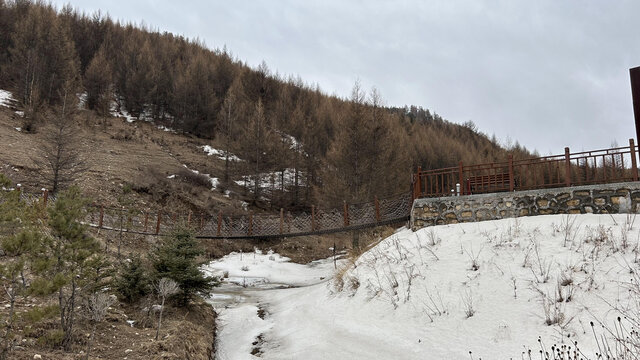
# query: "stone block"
[542,202]
[466,214]
[575,211]
[600,201]
[581,193]
[483,214]
[562,196]
[428,213]
[508,204]
[573,202]
[545,211]
[617,200]
[524,212]
[623,192]
[467,206]
[603,192]
[588,209]
[450,216]
[458,207]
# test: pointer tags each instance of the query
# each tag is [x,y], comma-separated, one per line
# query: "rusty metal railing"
[581,168]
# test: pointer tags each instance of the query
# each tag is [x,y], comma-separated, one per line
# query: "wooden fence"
[580,168]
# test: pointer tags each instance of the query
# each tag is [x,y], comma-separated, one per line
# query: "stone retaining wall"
[596,199]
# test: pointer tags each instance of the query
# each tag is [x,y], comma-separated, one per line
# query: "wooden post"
[146,220]
[250,224]
[634,164]
[289,221]
[461,178]
[45,197]
[313,218]
[346,213]
[101,216]
[219,223]
[567,164]
[418,190]
[377,208]
[281,220]
[511,179]
[189,219]
[158,222]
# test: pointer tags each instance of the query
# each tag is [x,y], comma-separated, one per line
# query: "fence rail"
[581,168]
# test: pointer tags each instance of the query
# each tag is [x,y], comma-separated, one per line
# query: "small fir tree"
[175,259]
[132,282]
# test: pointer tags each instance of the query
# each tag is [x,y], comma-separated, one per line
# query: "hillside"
[329,149]
[485,290]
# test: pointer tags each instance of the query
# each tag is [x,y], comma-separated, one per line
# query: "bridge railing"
[617,164]
[246,225]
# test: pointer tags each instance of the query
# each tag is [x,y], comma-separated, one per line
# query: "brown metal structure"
[634,74]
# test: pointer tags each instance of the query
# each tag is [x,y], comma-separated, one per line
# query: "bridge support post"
[313,217]
[460,178]
[281,220]
[511,180]
[418,184]
[377,203]
[346,213]
[158,223]
[567,168]
[634,164]
[219,223]
[189,218]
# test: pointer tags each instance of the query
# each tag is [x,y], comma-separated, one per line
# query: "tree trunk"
[160,319]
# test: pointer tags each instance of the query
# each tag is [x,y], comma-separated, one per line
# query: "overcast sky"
[547,74]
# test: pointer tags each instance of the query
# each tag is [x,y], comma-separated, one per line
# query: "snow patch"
[273,180]
[221,154]
[6,98]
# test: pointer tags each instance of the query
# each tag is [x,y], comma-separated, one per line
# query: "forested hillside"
[330,149]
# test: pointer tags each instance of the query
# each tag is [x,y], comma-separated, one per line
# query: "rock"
[37,356]
[128,351]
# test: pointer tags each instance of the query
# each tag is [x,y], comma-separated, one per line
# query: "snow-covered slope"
[491,288]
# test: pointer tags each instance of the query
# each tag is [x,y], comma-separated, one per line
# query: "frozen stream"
[242,300]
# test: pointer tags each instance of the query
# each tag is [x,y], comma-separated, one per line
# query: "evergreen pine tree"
[71,265]
[132,282]
[175,259]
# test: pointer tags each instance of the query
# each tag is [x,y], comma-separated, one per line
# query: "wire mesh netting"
[314,220]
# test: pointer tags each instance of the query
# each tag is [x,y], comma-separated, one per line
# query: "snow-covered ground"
[489,288]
